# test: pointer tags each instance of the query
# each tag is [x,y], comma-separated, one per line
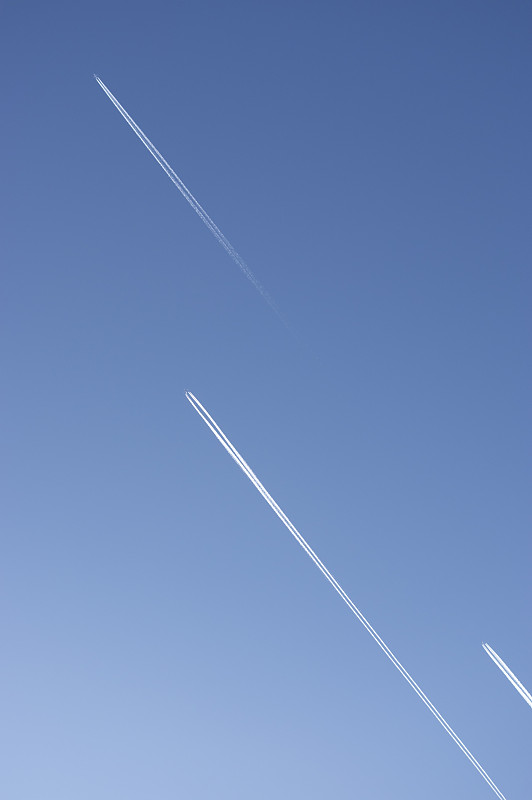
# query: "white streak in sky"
[235,455]
[509,674]
[189,197]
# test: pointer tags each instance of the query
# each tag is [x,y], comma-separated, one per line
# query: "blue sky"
[162,634]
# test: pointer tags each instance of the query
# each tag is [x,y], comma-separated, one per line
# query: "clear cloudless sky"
[162,634]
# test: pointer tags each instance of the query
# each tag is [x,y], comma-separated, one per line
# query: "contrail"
[189,197]
[509,674]
[235,455]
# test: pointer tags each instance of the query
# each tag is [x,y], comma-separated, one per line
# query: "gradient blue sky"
[162,635]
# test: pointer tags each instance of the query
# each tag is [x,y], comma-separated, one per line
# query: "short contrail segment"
[235,455]
[189,197]
[509,674]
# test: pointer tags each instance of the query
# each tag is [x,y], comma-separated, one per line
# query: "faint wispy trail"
[189,197]
[516,683]
[235,455]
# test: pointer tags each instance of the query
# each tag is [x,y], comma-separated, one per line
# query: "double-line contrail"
[189,197]
[246,469]
[508,673]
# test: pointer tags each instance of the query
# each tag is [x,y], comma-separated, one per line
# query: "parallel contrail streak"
[235,455]
[516,683]
[189,197]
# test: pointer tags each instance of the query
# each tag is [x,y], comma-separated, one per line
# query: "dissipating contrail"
[505,669]
[189,197]
[246,469]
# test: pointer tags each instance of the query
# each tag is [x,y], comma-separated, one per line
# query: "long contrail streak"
[509,674]
[235,455]
[189,197]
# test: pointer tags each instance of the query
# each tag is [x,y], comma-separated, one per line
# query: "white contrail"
[235,455]
[509,674]
[189,197]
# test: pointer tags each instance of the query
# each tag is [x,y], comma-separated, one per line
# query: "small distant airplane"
[509,674]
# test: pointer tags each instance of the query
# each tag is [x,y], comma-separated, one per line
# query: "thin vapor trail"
[508,673]
[235,455]
[189,197]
